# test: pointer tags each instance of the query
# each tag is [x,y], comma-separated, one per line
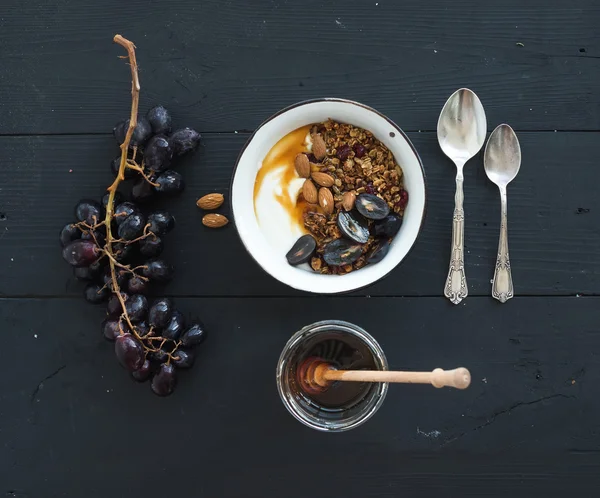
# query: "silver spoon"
[461,133]
[502,161]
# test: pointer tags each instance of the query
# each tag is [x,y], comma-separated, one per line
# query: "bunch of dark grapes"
[115,246]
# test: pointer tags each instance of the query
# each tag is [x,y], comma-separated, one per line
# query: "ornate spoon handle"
[502,285]
[456,283]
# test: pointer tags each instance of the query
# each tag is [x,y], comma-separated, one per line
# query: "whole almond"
[323,179]
[319,149]
[348,201]
[210,201]
[214,220]
[309,191]
[326,200]
[302,165]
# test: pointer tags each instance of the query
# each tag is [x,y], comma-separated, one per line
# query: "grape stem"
[127,163]
[135,99]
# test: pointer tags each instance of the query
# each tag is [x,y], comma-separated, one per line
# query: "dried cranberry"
[312,158]
[359,150]
[369,189]
[401,204]
[343,152]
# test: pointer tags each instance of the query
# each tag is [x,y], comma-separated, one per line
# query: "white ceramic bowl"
[275,128]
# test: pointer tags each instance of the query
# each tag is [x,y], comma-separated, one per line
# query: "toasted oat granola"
[358,163]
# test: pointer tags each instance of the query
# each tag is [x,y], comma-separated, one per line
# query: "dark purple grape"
[150,247]
[142,191]
[160,313]
[159,356]
[69,233]
[164,381]
[141,133]
[183,358]
[169,183]
[122,278]
[302,250]
[137,308]
[356,228]
[158,270]
[98,266]
[95,293]
[142,328]
[123,210]
[81,253]
[117,200]
[194,335]
[161,222]
[389,226]
[158,154]
[137,285]
[95,236]
[341,252]
[372,207]
[379,251]
[114,308]
[132,227]
[89,211]
[175,326]
[122,251]
[142,374]
[115,164]
[129,351]
[184,140]
[119,132]
[110,329]
[85,273]
[160,120]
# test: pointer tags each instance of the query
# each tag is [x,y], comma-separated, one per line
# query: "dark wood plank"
[553,213]
[224,66]
[74,425]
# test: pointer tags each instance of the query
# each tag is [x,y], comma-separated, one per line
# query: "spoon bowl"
[462,126]
[502,158]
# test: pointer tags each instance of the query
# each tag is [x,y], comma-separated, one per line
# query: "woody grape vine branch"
[135,98]
[126,163]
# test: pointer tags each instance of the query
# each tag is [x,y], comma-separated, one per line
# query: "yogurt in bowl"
[277,189]
[267,207]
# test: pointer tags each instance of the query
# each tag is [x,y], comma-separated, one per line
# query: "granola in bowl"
[349,198]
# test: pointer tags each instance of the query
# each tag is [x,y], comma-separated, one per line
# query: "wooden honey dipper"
[316,375]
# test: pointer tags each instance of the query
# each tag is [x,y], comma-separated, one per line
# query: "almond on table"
[214,220]
[210,201]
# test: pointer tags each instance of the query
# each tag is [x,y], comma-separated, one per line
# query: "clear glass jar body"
[303,407]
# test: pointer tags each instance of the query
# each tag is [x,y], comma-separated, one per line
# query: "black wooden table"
[73,425]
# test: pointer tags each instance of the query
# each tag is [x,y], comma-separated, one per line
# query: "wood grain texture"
[527,426]
[553,211]
[228,65]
